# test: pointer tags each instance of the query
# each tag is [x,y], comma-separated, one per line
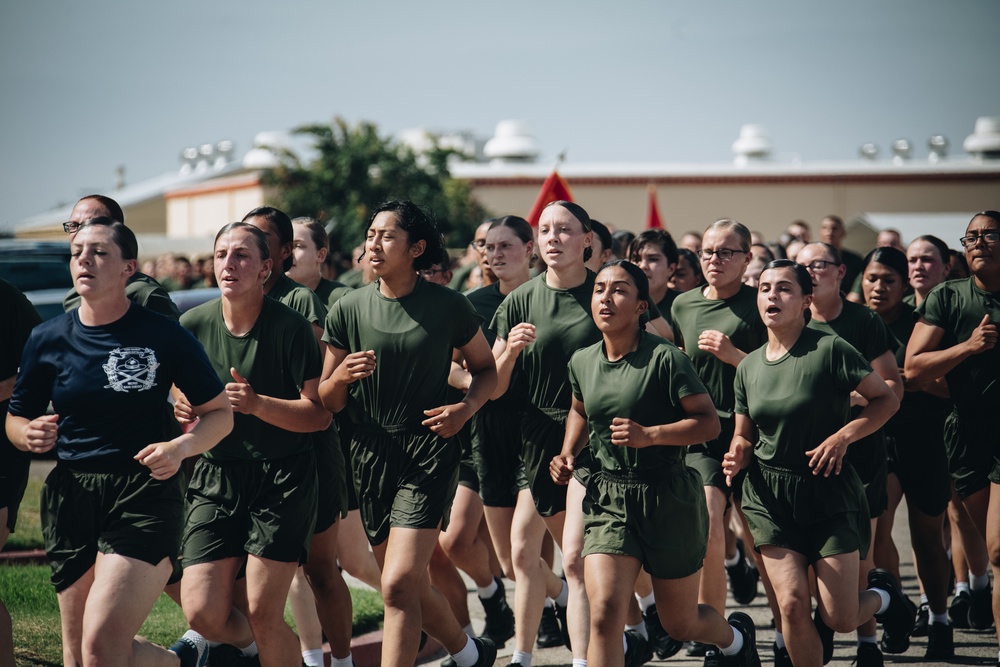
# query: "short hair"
[661,238]
[419,225]
[282,227]
[835,218]
[123,237]
[259,237]
[110,205]
[317,232]
[943,250]
[735,227]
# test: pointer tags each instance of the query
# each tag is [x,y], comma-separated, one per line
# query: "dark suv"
[40,269]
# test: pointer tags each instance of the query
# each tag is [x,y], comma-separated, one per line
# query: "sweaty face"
[882,287]
[239,268]
[615,304]
[561,238]
[96,263]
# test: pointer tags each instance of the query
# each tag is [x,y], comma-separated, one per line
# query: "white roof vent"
[985,141]
[869,151]
[902,151]
[938,145]
[260,157]
[753,144]
[513,142]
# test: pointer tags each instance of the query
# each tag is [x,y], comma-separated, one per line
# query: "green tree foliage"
[354,169]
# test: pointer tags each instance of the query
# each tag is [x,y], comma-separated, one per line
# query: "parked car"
[187,299]
[35,265]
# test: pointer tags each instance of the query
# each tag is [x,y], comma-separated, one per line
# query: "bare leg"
[993,546]
[713,583]
[207,595]
[499,520]
[332,597]
[303,605]
[461,541]
[870,627]
[571,543]
[534,575]
[444,576]
[886,554]
[353,552]
[6,627]
[609,578]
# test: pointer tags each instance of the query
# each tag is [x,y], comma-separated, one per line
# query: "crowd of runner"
[684,422]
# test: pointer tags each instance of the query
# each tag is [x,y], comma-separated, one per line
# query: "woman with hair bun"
[389,352]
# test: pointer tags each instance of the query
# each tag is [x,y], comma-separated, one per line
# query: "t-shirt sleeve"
[335,328]
[503,319]
[678,336]
[306,303]
[878,338]
[678,373]
[195,375]
[33,387]
[574,383]
[848,367]
[303,352]
[739,388]
[466,321]
[935,308]
[155,298]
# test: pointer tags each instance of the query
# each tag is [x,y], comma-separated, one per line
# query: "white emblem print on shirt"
[131,369]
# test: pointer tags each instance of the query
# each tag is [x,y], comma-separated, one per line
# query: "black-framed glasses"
[721,253]
[972,239]
[70,227]
[819,264]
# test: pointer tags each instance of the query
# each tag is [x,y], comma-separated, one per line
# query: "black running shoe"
[981,609]
[563,625]
[869,656]
[637,649]
[923,620]
[781,657]
[549,634]
[487,652]
[958,611]
[898,620]
[825,636]
[742,578]
[940,642]
[662,643]
[499,617]
[697,649]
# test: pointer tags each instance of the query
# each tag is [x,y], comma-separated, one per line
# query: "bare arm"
[701,423]
[215,421]
[661,328]
[459,376]
[740,448]
[885,366]
[340,370]
[505,352]
[304,414]
[7,388]
[925,362]
[721,346]
[562,465]
[447,420]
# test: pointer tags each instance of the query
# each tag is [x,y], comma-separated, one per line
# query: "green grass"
[29,523]
[31,600]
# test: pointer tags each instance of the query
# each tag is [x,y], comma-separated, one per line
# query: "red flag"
[553,189]
[653,220]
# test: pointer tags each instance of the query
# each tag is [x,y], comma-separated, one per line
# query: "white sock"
[469,631]
[313,657]
[979,581]
[579,662]
[639,629]
[779,640]
[733,561]
[941,618]
[342,662]
[866,639]
[961,586]
[737,644]
[624,643]
[489,591]
[563,596]
[249,651]
[521,658]
[646,601]
[923,598]
[468,656]
[884,597]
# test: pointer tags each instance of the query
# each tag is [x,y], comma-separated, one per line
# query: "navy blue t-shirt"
[108,384]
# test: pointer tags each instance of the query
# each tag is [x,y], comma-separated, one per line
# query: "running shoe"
[742,578]
[898,620]
[549,634]
[499,616]
[958,611]
[981,609]
[923,620]
[869,656]
[825,636]
[637,649]
[487,652]
[662,643]
[940,642]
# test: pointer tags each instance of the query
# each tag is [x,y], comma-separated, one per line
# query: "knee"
[993,548]
[795,608]
[522,559]
[400,592]
[324,577]
[264,617]
[573,568]
[207,620]
[102,648]
[681,627]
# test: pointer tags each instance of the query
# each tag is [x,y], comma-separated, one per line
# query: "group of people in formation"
[664,417]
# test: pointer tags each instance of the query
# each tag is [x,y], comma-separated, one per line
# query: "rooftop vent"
[260,156]
[938,145]
[753,144]
[513,142]
[869,151]
[984,142]
[902,151]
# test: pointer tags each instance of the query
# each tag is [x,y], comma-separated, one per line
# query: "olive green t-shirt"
[958,306]
[801,399]
[737,317]
[486,300]
[277,356]
[563,325]
[413,338]
[665,304]
[299,298]
[916,405]
[646,386]
[330,291]
[141,289]
[861,327]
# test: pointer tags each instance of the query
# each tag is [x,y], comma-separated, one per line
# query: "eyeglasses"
[71,227]
[971,240]
[721,253]
[819,264]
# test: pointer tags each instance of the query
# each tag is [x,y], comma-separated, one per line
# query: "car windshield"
[35,273]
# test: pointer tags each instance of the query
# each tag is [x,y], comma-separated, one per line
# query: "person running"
[252,500]
[688,274]
[655,252]
[19,319]
[802,499]
[863,329]
[955,337]
[112,508]
[640,401]
[917,464]
[717,325]
[387,364]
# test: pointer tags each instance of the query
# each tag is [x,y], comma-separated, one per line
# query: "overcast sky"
[90,85]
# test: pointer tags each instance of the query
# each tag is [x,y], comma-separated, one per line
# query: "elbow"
[711,427]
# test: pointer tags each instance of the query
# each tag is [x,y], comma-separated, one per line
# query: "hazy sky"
[89,85]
